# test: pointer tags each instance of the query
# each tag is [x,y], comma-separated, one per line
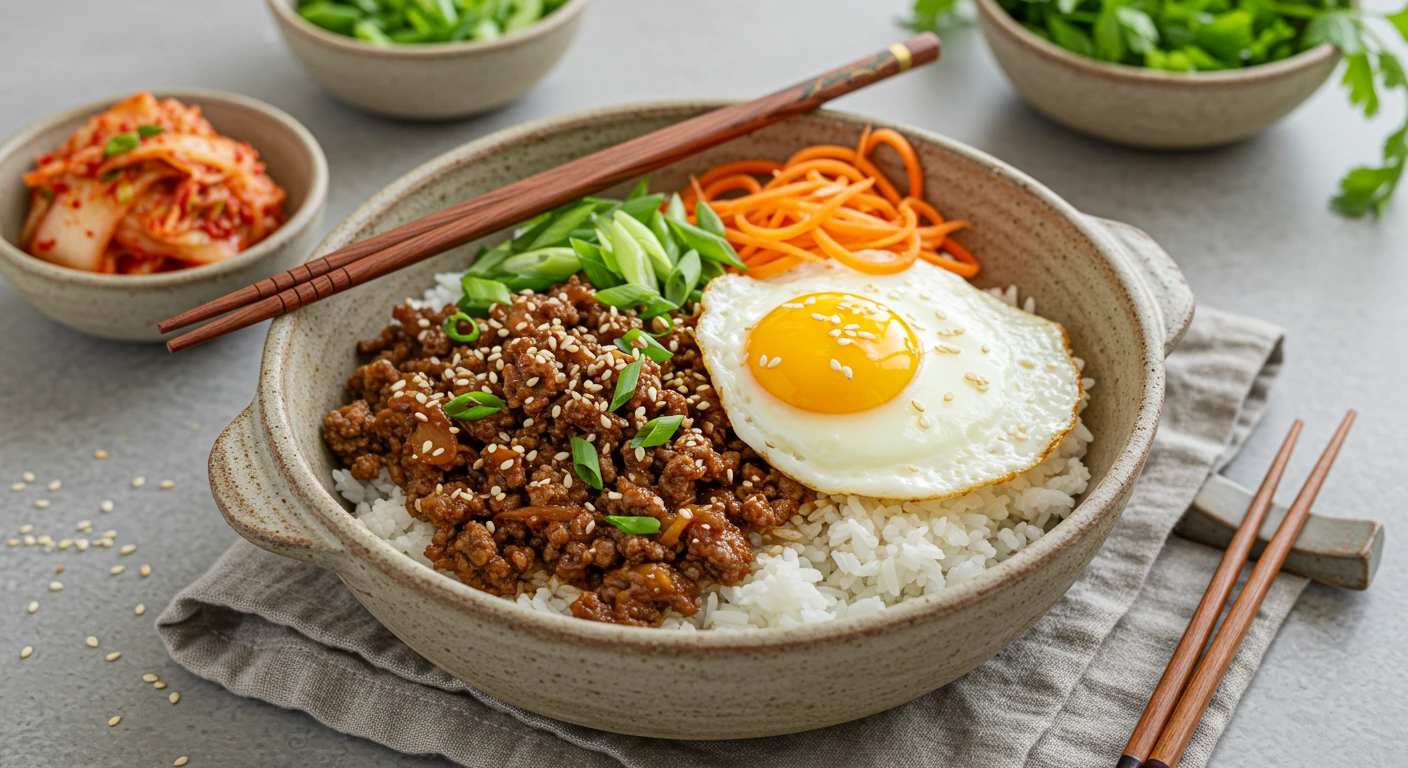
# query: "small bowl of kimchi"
[123,212]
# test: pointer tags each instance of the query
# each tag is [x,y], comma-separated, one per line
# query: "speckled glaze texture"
[1148,108]
[1119,295]
[128,307]
[438,81]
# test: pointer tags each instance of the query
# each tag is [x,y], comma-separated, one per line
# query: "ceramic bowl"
[1121,298]
[433,81]
[128,307]
[1145,107]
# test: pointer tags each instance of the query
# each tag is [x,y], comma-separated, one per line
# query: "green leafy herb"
[452,328]
[1213,35]
[584,462]
[145,131]
[657,431]
[473,406]
[652,349]
[397,22]
[122,142]
[639,525]
[626,384]
[481,294]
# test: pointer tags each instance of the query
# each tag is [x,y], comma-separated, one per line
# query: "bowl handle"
[1161,278]
[264,512]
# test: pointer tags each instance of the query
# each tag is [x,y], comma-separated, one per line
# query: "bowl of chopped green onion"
[1165,74]
[428,59]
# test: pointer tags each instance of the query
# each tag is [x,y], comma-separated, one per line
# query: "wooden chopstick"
[479,216]
[1180,665]
[1189,711]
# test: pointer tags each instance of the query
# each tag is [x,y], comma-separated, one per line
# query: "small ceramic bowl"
[128,307]
[1145,107]
[431,81]
[1119,296]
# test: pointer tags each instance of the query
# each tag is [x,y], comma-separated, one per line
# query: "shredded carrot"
[831,202]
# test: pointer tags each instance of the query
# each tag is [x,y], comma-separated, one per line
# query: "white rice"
[840,556]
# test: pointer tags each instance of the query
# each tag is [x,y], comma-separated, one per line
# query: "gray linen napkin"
[1066,693]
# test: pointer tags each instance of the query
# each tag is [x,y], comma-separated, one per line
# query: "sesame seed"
[27,528]
[106,506]
[149,678]
[17,487]
[421,416]
[833,333]
[986,349]
[1026,364]
[507,464]
[26,652]
[117,570]
[818,316]
[91,642]
[28,477]
[762,363]
[33,606]
[640,454]
[835,364]
[41,504]
[158,685]
[843,342]
[145,570]
[139,481]
[911,468]
[127,549]
[55,586]
[55,485]
[140,609]
[918,406]
[948,397]
[174,697]
[846,370]
[115,720]
[605,422]
[114,656]
[180,761]
[85,526]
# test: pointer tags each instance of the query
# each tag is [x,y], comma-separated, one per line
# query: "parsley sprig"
[1208,35]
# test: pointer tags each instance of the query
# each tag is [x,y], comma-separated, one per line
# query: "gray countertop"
[1248,224]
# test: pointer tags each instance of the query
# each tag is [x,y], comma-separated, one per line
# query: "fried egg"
[915,385]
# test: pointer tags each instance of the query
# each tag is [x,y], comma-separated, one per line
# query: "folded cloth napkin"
[1066,693]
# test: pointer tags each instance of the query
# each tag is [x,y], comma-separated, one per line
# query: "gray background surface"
[1248,224]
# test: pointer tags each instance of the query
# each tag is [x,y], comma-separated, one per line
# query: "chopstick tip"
[1129,762]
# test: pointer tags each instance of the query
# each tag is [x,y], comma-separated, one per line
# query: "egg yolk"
[833,353]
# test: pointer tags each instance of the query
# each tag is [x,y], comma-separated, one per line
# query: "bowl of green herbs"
[1195,73]
[427,59]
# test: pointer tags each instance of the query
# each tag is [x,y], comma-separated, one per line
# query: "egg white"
[1014,387]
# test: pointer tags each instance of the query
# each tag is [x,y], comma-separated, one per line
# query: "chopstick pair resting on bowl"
[1177,703]
[478,216]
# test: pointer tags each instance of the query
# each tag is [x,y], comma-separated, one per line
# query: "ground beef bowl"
[1121,299]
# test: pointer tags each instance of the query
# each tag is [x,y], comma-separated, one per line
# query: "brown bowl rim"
[368,550]
[301,219]
[288,19]
[1287,67]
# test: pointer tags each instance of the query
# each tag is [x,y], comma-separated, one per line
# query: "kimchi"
[148,186]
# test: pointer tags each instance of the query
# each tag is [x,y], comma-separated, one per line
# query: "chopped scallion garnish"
[473,406]
[652,350]
[122,142]
[452,328]
[584,462]
[145,131]
[626,384]
[657,431]
[639,525]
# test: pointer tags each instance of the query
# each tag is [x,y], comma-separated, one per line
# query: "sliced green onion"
[149,130]
[555,264]
[515,283]
[709,270]
[367,31]
[452,328]
[648,241]
[481,294]
[592,264]
[584,462]
[657,431]
[657,305]
[631,258]
[626,296]
[608,254]
[473,406]
[676,209]
[641,207]
[640,525]
[626,384]
[525,12]
[710,246]
[641,189]
[122,142]
[662,233]
[707,220]
[489,259]
[560,229]
[331,16]
[653,349]
[486,29]
[682,280]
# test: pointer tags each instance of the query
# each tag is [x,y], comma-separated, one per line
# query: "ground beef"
[502,492]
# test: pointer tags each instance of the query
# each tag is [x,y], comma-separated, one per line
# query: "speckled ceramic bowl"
[432,81]
[128,307]
[1121,298]
[1145,107]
